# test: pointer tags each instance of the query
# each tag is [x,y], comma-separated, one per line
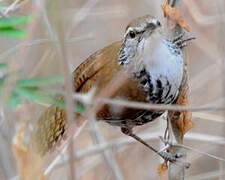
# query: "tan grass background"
[89,25]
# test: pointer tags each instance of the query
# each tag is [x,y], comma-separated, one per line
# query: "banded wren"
[156,77]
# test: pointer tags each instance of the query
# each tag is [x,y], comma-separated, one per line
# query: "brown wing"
[52,123]
[96,71]
[98,65]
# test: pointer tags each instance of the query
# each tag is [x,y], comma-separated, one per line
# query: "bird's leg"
[165,155]
[166,134]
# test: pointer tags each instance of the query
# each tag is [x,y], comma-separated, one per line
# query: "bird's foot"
[174,158]
[167,156]
[127,131]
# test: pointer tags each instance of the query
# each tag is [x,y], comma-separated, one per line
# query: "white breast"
[165,62]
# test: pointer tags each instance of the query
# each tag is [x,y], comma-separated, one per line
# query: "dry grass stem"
[162,107]
[73,31]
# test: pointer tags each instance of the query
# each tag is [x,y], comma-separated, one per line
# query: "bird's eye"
[132,34]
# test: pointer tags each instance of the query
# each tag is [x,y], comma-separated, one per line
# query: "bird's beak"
[156,23]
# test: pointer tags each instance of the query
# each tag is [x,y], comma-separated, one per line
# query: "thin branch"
[14,6]
[210,117]
[192,149]
[39,42]
[200,18]
[149,106]
[107,154]
[23,46]
[205,176]
[48,54]
[81,15]
[124,141]
[62,51]
[70,151]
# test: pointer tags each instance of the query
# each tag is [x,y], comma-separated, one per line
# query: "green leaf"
[38,81]
[2,4]
[14,99]
[35,94]
[13,21]
[12,32]
[79,108]
[2,79]
[48,97]
[2,65]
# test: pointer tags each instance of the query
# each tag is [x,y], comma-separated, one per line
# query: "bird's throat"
[159,73]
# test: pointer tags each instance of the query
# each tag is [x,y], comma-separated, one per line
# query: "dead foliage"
[174,14]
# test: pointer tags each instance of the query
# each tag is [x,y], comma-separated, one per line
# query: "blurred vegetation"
[8,29]
[27,88]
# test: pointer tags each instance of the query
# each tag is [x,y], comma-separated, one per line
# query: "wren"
[156,77]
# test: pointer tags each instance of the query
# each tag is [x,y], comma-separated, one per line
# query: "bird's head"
[135,36]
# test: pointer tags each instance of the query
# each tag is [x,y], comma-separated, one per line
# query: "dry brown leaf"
[26,159]
[181,120]
[162,171]
[184,122]
[175,15]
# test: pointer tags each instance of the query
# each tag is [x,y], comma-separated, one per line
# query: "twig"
[81,14]
[124,141]
[90,113]
[174,133]
[204,176]
[70,161]
[107,154]
[23,45]
[86,166]
[192,149]
[207,116]
[59,36]
[221,29]
[149,106]
[47,55]
[202,78]
[39,42]
[12,7]
[199,18]
[81,38]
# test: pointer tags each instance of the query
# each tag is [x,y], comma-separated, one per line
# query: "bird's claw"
[169,156]
[173,158]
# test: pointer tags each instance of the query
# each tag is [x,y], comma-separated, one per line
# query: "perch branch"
[178,122]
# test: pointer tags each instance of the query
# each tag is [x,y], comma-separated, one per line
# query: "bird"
[155,77]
